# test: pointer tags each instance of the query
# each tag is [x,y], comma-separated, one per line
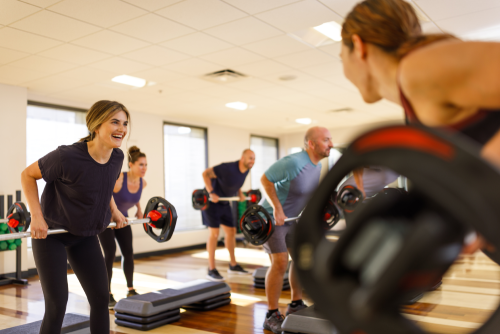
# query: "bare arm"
[208,175]
[432,77]
[28,180]
[358,178]
[270,191]
[118,184]
[241,196]
[116,215]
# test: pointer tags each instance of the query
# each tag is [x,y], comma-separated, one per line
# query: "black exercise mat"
[208,307]
[146,327]
[147,320]
[71,323]
[212,300]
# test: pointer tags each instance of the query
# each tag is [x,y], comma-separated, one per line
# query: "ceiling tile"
[74,54]
[156,55]
[232,57]
[275,92]
[197,44]
[308,85]
[277,46]
[14,75]
[430,28]
[201,14]
[152,5]
[24,41]
[8,56]
[276,77]
[298,16]
[324,70]
[119,65]
[158,91]
[443,9]
[55,26]
[257,6]
[158,75]
[193,67]
[251,84]
[221,91]
[341,7]
[262,68]
[306,58]
[244,31]
[190,84]
[469,23]
[43,64]
[104,13]
[152,28]
[110,42]
[13,10]
[332,49]
[89,73]
[54,84]
[42,3]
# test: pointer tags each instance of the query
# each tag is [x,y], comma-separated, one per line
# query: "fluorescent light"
[303,120]
[237,105]
[331,30]
[129,80]
[183,130]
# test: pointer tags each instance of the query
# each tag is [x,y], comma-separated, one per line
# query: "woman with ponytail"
[77,198]
[127,194]
[386,56]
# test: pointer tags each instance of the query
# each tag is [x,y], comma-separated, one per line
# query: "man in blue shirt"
[288,184]
[224,180]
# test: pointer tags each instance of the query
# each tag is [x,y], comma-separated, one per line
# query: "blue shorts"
[217,214]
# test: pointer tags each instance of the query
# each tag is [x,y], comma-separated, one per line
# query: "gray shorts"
[281,240]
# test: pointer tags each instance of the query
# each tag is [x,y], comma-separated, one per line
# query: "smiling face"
[139,167]
[113,130]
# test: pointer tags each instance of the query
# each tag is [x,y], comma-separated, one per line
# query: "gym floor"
[470,292]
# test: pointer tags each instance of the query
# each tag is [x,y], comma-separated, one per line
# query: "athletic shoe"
[290,309]
[274,322]
[414,299]
[214,275]
[112,302]
[436,286]
[131,293]
[237,269]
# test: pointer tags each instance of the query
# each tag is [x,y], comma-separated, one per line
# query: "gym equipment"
[397,247]
[259,278]
[73,323]
[161,215]
[348,198]
[307,321]
[258,226]
[18,218]
[201,198]
[158,308]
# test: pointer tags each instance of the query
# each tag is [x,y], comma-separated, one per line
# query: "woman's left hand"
[118,217]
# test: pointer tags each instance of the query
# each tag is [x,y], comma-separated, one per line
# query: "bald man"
[288,185]
[224,180]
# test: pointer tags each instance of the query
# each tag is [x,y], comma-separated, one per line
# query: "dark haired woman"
[439,80]
[78,198]
[127,194]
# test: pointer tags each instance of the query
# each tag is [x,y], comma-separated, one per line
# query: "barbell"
[161,215]
[398,245]
[201,198]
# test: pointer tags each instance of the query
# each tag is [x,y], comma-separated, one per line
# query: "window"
[335,154]
[266,153]
[185,160]
[48,127]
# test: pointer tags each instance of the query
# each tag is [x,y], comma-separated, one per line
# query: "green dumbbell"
[12,247]
[3,245]
[18,242]
[10,241]
[3,227]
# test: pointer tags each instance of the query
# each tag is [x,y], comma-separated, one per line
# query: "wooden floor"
[469,294]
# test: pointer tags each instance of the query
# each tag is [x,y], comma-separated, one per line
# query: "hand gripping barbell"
[161,215]
[201,198]
[397,246]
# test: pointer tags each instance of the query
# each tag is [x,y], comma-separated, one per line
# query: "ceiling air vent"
[224,76]
[341,110]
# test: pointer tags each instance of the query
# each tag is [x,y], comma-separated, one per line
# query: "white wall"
[13,104]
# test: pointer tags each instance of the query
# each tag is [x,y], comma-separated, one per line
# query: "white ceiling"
[69,50]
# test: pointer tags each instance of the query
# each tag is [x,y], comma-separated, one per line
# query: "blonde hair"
[99,113]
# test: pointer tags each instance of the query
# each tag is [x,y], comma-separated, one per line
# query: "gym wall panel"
[13,104]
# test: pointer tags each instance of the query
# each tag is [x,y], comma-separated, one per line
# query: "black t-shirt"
[229,179]
[79,189]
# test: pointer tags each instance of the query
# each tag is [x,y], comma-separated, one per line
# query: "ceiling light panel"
[130,80]
[237,105]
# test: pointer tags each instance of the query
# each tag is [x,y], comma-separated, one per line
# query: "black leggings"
[124,238]
[85,257]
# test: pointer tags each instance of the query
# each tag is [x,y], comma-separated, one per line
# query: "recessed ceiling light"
[303,121]
[130,80]
[331,30]
[237,105]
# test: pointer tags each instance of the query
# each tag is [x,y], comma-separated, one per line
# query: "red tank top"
[480,127]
